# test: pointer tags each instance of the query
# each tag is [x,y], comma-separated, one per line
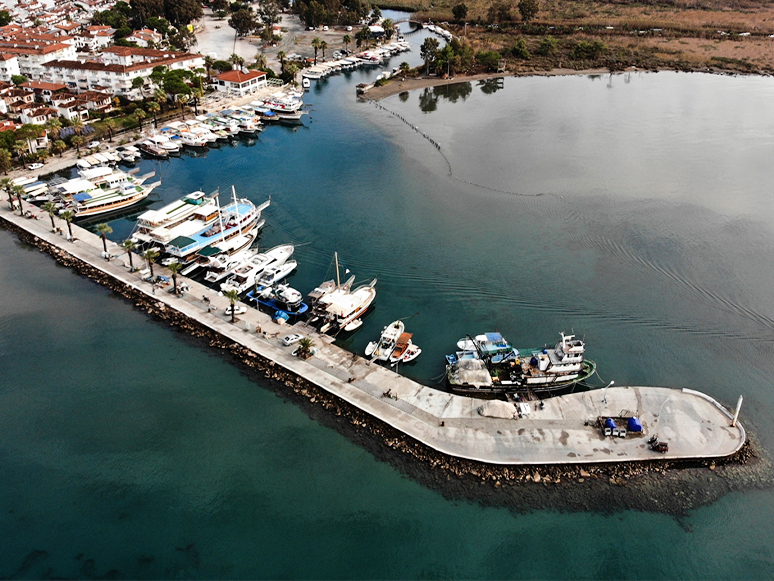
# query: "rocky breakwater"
[655,485]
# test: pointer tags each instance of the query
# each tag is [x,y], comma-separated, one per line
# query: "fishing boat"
[280,299]
[151,149]
[245,276]
[488,363]
[337,306]
[386,345]
[401,347]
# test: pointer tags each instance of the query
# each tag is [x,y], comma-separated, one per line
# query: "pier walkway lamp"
[604,398]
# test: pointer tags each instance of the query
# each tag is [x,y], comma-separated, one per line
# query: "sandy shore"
[398,85]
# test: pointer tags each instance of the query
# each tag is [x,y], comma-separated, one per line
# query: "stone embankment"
[671,485]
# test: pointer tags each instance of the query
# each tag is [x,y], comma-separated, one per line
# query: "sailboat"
[337,306]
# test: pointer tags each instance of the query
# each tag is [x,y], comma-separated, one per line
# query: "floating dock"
[560,432]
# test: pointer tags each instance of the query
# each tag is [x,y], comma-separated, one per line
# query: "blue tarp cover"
[493,337]
[635,425]
[609,423]
[81,196]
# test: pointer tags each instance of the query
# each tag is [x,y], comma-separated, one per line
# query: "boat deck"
[693,424]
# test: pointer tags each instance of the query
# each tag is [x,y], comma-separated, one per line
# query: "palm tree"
[19,191]
[281,56]
[232,296]
[404,67]
[305,347]
[346,40]
[5,183]
[316,45]
[174,268]
[388,26]
[77,125]
[292,70]
[43,155]
[154,108]
[5,161]
[129,245]
[260,60]
[110,124]
[53,126]
[21,148]
[58,147]
[160,95]
[150,256]
[140,114]
[323,46]
[208,62]
[77,140]
[104,230]
[68,216]
[236,60]
[50,207]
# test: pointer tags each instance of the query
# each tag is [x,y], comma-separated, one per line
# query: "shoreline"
[395,86]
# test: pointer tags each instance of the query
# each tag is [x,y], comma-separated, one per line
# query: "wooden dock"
[561,432]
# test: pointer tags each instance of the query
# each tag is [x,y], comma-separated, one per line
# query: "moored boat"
[387,341]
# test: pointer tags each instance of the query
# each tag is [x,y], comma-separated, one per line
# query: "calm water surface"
[633,210]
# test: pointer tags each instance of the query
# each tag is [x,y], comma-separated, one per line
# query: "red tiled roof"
[43,86]
[239,76]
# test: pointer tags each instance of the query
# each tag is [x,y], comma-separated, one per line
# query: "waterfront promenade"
[694,425]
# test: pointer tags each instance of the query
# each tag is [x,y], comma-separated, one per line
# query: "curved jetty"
[562,430]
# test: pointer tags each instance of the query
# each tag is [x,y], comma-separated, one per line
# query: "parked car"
[349,29]
[325,28]
[34,166]
[93,144]
[294,338]
[238,310]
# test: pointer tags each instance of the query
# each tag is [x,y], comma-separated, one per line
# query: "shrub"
[488,58]
[588,50]
[520,51]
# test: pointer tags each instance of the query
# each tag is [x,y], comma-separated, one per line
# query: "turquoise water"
[129,450]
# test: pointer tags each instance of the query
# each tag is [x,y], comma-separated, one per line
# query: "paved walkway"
[693,424]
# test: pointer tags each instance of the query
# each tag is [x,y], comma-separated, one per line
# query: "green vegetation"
[489,58]
[587,50]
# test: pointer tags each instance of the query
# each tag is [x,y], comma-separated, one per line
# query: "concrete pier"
[693,424]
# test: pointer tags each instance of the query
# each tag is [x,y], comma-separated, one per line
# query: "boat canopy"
[81,197]
[209,250]
[181,242]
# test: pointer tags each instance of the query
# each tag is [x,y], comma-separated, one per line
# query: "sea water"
[632,210]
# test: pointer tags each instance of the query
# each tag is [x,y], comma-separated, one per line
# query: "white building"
[32,57]
[9,66]
[240,82]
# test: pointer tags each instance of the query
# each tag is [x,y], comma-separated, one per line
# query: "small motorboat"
[404,341]
[412,352]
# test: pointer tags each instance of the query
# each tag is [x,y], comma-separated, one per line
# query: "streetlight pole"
[604,399]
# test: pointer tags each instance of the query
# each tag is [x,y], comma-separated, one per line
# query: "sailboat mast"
[220,213]
[336,257]
[236,206]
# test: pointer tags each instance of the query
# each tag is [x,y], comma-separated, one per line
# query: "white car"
[325,28]
[349,29]
[238,310]
[34,166]
[93,144]
[294,338]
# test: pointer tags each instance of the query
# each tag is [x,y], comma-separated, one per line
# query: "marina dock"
[561,431]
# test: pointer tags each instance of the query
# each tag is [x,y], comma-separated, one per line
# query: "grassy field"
[681,34]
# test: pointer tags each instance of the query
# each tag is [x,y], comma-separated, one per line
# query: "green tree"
[222,66]
[5,18]
[243,22]
[110,124]
[236,60]
[58,147]
[77,141]
[404,67]
[175,268]
[346,40]
[233,296]
[208,62]
[104,230]
[388,26]
[77,124]
[18,79]
[150,257]
[489,58]
[547,46]
[460,11]
[129,245]
[53,127]
[154,108]
[363,36]
[429,52]
[5,161]
[500,12]
[5,184]
[584,49]
[19,191]
[175,85]
[528,9]
[218,5]
[269,13]
[50,207]
[376,14]
[21,149]
[140,114]
[291,71]
[323,46]
[138,83]
[316,42]
[281,56]
[68,216]
[520,50]
[305,346]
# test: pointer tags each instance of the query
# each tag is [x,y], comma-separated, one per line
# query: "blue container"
[634,425]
